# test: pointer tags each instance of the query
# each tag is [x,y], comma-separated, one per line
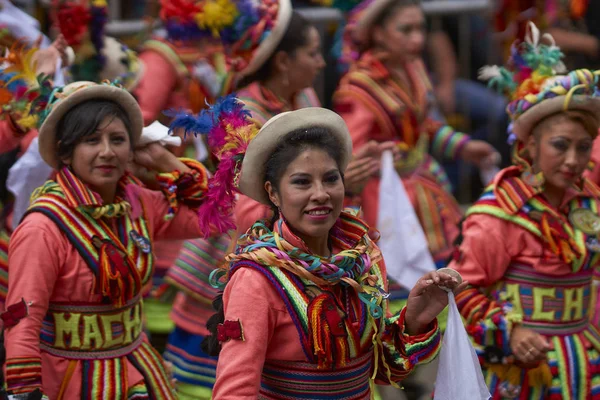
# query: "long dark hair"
[83,120]
[295,37]
[287,150]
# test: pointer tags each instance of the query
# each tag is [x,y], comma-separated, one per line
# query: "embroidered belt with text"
[92,331]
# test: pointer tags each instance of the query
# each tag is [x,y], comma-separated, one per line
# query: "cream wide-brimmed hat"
[274,131]
[74,94]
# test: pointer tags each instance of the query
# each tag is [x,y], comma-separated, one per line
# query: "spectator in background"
[462,101]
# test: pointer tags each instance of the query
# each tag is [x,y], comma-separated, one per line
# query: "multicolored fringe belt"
[299,380]
[557,307]
[104,339]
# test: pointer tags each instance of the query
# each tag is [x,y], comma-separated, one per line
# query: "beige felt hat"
[74,94]
[273,131]
[365,19]
[525,123]
[268,45]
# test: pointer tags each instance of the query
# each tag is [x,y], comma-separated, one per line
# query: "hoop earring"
[535,180]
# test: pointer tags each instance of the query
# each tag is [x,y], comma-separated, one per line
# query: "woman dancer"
[530,243]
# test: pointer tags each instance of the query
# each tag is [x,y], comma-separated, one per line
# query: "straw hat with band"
[66,98]
[274,131]
[254,32]
[531,82]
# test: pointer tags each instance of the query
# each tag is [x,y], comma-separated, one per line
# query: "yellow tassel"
[540,375]
[513,375]
[500,370]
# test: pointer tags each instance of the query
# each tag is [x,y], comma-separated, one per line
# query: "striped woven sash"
[509,203]
[550,305]
[298,380]
[79,228]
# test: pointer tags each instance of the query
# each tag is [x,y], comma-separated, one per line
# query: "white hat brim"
[273,131]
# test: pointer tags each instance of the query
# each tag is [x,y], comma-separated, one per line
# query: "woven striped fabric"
[511,199]
[191,365]
[401,113]
[196,260]
[298,380]
[559,309]
[66,203]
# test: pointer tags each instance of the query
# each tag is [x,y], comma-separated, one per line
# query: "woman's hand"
[157,158]
[46,59]
[427,299]
[364,164]
[477,151]
[528,346]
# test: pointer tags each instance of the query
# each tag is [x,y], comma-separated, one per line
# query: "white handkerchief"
[402,242]
[157,132]
[459,373]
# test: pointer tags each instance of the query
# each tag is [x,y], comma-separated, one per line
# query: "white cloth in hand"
[157,132]
[459,373]
[402,242]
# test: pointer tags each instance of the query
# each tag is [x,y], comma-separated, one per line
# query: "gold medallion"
[585,220]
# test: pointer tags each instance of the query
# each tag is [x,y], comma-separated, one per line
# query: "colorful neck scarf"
[78,195]
[350,267]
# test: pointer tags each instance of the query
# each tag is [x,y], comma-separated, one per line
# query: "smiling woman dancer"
[305,292]
[530,247]
[82,254]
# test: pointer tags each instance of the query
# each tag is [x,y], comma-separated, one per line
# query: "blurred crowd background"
[464,35]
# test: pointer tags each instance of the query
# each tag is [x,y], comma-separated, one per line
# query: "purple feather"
[97,25]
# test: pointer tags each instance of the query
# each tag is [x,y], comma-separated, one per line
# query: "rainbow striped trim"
[510,199]
[294,380]
[150,364]
[448,143]
[292,290]
[104,379]
[197,259]
[107,379]
[192,366]
[23,375]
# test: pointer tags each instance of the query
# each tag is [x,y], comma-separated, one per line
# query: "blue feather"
[207,119]
[199,124]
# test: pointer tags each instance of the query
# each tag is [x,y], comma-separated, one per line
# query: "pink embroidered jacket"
[45,268]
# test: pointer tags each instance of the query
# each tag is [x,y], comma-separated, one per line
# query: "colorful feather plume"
[229,128]
[82,23]
[532,75]
[23,93]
